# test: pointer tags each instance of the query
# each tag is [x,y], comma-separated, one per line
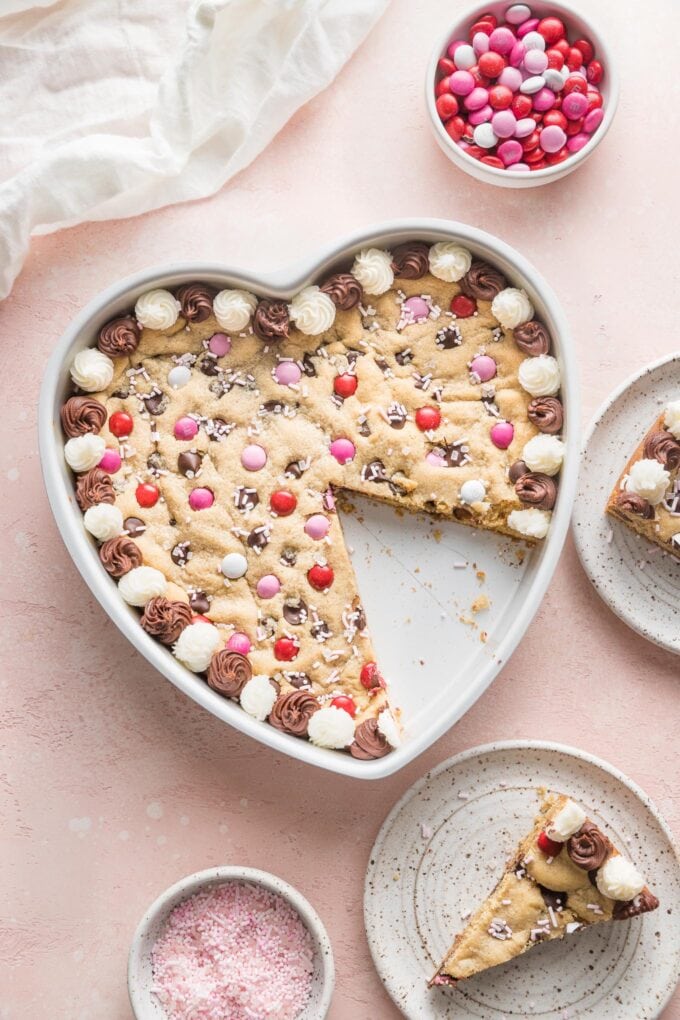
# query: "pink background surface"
[112,785]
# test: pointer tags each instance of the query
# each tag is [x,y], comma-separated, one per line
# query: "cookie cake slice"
[565,876]
[646,496]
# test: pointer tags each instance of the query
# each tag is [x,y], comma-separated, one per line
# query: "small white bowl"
[145,1006]
[577,27]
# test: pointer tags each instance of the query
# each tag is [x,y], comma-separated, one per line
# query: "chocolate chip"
[295,469]
[374,472]
[258,538]
[298,680]
[199,602]
[404,357]
[156,403]
[134,526]
[208,365]
[288,557]
[180,554]
[155,462]
[295,612]
[189,463]
[551,898]
[517,470]
[448,338]
[320,630]
[308,365]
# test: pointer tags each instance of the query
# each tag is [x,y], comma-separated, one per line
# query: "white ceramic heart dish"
[434,653]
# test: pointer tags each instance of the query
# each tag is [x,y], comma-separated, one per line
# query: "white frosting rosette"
[671,418]
[387,725]
[331,727]
[649,479]
[258,697]
[91,370]
[448,261]
[141,584]
[512,307]
[233,309]
[373,269]
[104,521]
[312,311]
[566,822]
[84,452]
[540,376]
[196,644]
[532,523]
[157,309]
[544,453]
[619,879]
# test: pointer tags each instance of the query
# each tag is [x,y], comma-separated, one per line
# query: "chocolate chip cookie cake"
[209,432]
[565,876]
[646,496]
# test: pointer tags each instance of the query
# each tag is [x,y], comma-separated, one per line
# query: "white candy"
[553,79]
[534,41]
[104,521]
[196,645]
[233,309]
[649,479]
[533,84]
[533,523]
[91,370]
[179,376]
[464,57]
[544,454]
[619,879]
[472,491]
[234,565]
[141,584]
[331,727]
[485,136]
[517,14]
[84,452]
[157,309]
[448,261]
[258,697]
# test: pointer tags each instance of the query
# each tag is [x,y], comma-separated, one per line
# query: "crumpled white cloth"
[110,108]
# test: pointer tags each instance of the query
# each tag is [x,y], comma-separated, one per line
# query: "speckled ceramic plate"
[636,579]
[443,847]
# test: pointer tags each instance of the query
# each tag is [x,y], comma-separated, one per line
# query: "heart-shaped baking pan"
[458,599]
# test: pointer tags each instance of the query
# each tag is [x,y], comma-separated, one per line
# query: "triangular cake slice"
[646,496]
[565,876]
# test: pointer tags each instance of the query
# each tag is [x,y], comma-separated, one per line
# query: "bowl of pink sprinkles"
[231,942]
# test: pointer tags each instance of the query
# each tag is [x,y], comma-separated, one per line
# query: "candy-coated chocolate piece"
[517,54]
[552,138]
[320,576]
[491,64]
[521,106]
[268,586]
[121,424]
[462,83]
[345,385]
[481,116]
[535,61]
[179,376]
[111,461]
[555,59]
[544,100]
[464,58]
[593,120]
[288,373]
[576,143]
[525,127]
[518,166]
[346,703]
[502,434]
[533,84]
[201,498]
[510,152]
[285,649]
[555,117]
[501,40]
[146,494]
[343,450]
[239,642]
[253,457]
[417,307]
[234,566]
[435,459]
[594,72]
[533,41]
[185,428]
[586,48]
[428,418]
[530,25]
[509,81]
[472,491]
[317,527]
[517,14]
[219,344]
[484,367]
[574,106]
[550,847]
[574,59]
[370,676]
[442,89]
[463,306]
[504,123]
[447,106]
[476,99]
[575,83]
[485,136]
[282,502]
[551,29]
[480,43]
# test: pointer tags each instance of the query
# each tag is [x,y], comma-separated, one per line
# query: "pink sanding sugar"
[233,952]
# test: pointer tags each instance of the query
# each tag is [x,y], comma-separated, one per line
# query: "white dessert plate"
[438,654]
[442,849]
[636,579]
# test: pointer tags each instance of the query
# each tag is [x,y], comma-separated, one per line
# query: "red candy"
[491,64]
[586,49]
[320,576]
[594,72]
[553,118]
[147,494]
[447,106]
[443,87]
[346,385]
[455,128]
[463,306]
[428,418]
[285,649]
[521,106]
[500,97]
[555,59]
[199,618]
[493,161]
[575,83]
[446,66]
[345,703]
[550,847]
[563,46]
[574,59]
[282,502]
[551,29]
[121,424]
[531,142]
[370,676]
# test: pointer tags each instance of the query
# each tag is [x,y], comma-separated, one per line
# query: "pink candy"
[239,642]
[201,499]
[254,457]
[268,586]
[317,527]
[552,138]
[435,459]
[461,83]
[501,40]
[510,152]
[576,142]
[287,373]
[593,120]
[185,428]
[504,123]
[343,450]
[419,309]
[535,62]
[219,344]
[481,116]
[483,367]
[544,99]
[476,99]
[502,434]
[111,461]
[574,106]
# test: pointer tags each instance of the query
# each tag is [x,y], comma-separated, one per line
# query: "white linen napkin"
[110,109]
